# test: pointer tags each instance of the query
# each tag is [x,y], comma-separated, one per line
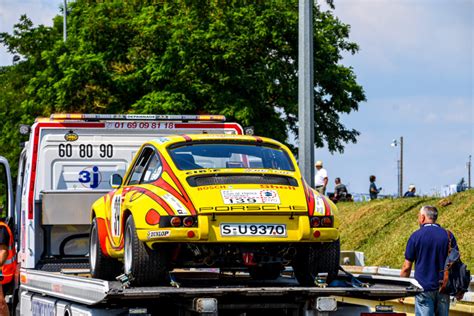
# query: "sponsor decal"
[275,186]
[250,197]
[320,207]
[71,136]
[268,171]
[116,210]
[175,204]
[212,187]
[203,171]
[258,170]
[158,234]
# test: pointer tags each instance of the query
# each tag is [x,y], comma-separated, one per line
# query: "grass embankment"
[381,228]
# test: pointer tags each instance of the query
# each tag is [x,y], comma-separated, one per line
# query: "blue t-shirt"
[373,191]
[428,248]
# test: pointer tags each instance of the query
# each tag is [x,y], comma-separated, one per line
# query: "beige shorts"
[321,189]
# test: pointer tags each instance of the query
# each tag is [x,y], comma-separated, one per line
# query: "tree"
[238,59]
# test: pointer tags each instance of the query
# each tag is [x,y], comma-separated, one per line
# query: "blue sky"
[416,64]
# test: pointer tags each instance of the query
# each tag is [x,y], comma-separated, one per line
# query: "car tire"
[265,272]
[144,265]
[315,259]
[102,266]
[329,259]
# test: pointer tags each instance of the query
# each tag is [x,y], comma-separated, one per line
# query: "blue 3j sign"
[90,177]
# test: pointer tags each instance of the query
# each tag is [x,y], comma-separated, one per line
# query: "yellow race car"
[225,201]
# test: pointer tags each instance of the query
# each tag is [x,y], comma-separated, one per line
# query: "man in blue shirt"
[428,249]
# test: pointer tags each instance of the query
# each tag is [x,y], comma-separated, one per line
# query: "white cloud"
[417,31]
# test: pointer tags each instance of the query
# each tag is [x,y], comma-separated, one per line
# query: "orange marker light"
[152,217]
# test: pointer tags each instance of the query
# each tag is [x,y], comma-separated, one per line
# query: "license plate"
[270,230]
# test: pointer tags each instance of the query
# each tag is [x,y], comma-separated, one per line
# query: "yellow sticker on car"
[250,197]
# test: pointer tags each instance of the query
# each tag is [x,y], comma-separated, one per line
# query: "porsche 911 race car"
[225,201]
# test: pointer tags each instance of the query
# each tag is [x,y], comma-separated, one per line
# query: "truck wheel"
[265,272]
[146,266]
[102,266]
[315,259]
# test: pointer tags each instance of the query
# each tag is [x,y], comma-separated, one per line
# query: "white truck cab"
[66,165]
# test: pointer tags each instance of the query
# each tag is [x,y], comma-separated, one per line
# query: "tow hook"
[173,281]
[248,258]
[125,280]
[320,282]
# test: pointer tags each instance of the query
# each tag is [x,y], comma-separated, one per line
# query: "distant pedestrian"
[340,191]
[373,190]
[428,249]
[411,191]
[320,178]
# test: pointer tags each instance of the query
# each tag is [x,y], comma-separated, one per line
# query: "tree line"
[235,58]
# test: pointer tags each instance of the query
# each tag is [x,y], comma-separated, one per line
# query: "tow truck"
[65,166]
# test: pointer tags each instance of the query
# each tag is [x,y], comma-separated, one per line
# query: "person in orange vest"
[7,263]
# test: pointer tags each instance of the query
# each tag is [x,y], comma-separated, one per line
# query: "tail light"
[326,222]
[175,221]
[188,221]
[315,221]
[321,221]
[178,221]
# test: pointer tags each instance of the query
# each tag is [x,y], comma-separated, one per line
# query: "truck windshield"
[230,155]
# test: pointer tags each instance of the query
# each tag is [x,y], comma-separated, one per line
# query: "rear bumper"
[208,231]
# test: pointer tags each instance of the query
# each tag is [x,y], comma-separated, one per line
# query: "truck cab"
[66,164]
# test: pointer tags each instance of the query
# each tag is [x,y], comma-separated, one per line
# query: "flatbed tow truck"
[65,166]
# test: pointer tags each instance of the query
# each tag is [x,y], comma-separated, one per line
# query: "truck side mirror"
[115,181]
[6,189]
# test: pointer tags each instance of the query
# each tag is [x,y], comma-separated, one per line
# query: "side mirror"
[115,181]
[6,189]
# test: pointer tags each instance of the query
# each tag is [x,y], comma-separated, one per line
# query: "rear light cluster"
[178,221]
[321,221]
[152,217]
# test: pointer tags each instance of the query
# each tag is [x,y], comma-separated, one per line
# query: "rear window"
[230,155]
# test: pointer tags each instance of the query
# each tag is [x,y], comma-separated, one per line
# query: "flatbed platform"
[210,285]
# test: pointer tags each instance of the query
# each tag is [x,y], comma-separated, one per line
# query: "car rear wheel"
[102,266]
[315,259]
[146,266]
[266,272]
